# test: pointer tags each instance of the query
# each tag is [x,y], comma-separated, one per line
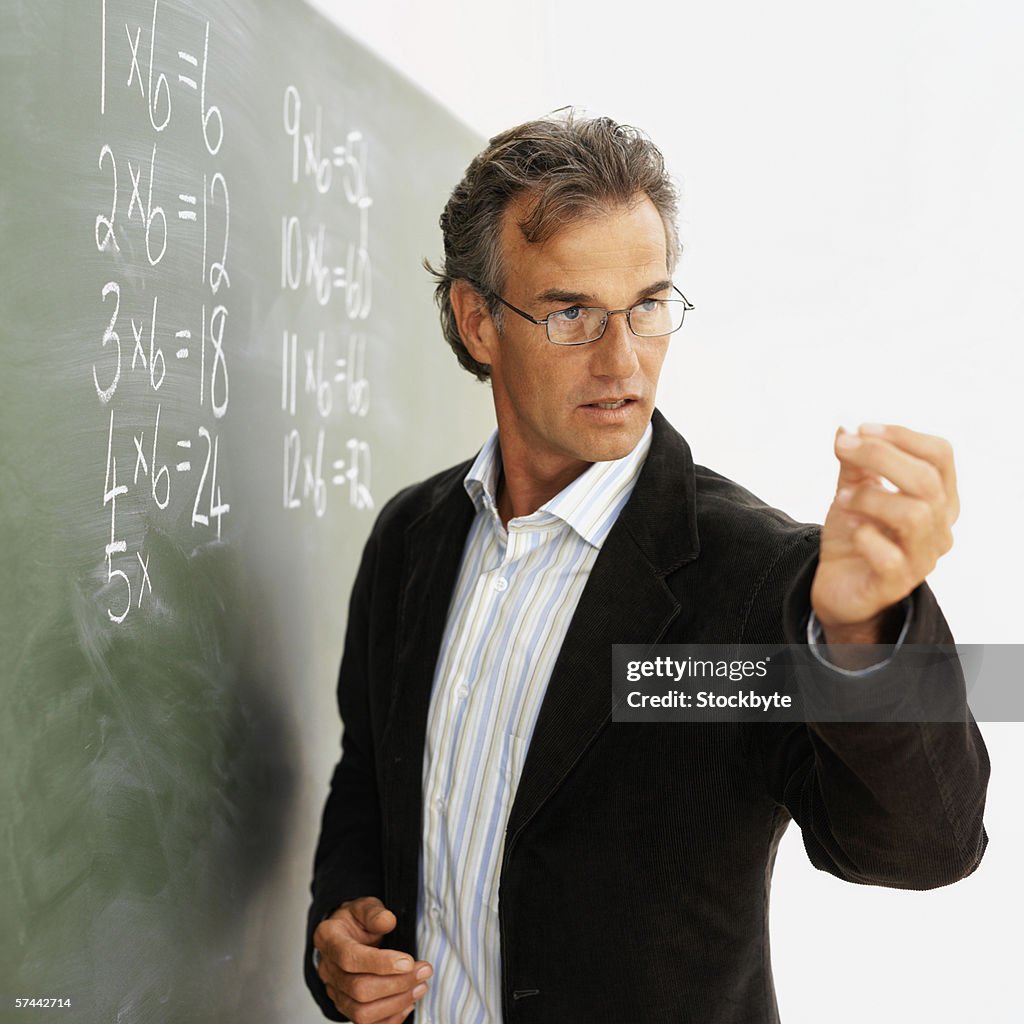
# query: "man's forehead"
[619,237]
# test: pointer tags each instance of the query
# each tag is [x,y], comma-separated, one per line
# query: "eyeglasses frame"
[687,306]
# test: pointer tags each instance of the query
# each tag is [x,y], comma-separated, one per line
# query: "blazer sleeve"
[347,863]
[890,803]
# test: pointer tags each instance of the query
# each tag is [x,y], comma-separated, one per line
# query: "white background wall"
[852,224]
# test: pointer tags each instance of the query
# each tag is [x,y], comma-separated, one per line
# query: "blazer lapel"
[433,556]
[626,600]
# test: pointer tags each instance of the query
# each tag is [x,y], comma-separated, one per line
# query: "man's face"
[552,401]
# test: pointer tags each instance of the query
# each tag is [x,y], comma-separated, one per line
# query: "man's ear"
[476,327]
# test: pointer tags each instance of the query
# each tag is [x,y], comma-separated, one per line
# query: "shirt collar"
[590,504]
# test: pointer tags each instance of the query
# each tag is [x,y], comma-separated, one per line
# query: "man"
[545,863]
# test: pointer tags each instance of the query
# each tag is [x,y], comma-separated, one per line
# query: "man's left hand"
[877,545]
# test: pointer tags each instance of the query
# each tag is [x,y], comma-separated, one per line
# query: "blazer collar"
[589,505]
[661,515]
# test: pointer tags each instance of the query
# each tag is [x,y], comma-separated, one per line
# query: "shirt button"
[501,584]
[435,912]
[439,802]
[462,692]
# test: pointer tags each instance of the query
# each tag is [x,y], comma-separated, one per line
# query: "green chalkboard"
[218,357]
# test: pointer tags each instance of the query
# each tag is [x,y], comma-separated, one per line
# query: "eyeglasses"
[580,325]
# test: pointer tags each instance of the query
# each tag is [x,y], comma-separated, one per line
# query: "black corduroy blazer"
[638,856]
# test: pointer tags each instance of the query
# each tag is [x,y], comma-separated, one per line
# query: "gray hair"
[572,167]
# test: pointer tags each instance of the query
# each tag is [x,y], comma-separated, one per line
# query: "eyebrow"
[583,298]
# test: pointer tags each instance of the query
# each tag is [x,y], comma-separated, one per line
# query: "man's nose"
[614,354]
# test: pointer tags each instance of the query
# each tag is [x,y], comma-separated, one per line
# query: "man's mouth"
[615,404]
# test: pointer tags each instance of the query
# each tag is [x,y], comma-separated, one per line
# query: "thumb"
[850,475]
[373,916]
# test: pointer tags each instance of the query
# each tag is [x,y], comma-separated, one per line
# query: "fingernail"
[847,441]
[424,972]
[403,964]
[418,991]
[872,428]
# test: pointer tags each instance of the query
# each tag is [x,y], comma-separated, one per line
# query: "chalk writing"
[325,256]
[160,215]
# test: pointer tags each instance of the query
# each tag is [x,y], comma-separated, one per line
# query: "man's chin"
[612,446]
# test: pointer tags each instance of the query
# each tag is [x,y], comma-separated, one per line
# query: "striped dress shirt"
[511,608]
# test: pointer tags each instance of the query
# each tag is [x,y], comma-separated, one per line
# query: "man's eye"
[647,305]
[570,314]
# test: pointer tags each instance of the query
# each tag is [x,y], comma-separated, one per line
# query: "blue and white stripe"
[512,605]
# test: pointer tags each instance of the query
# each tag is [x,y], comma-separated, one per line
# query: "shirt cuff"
[816,642]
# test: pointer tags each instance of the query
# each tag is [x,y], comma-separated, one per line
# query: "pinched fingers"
[918,465]
[369,985]
[348,940]
[920,528]
[878,544]
[910,474]
[372,985]
[936,451]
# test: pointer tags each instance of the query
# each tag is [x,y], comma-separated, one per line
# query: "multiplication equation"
[155,349]
[323,371]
